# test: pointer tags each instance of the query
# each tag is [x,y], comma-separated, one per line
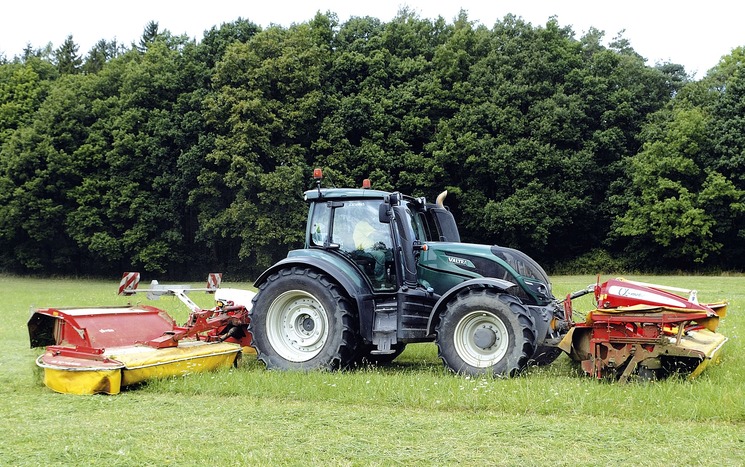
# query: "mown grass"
[412,412]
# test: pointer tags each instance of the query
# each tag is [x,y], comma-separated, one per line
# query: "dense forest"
[177,156]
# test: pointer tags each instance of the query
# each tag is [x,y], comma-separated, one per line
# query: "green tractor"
[381,270]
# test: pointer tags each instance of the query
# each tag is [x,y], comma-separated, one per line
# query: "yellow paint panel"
[140,363]
[83,382]
[177,361]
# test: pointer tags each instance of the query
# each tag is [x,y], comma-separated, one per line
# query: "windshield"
[352,227]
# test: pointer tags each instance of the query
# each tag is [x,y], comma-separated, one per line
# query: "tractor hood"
[444,265]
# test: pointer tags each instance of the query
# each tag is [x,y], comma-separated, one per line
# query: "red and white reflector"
[213,281]
[129,282]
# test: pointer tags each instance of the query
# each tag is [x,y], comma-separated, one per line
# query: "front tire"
[301,320]
[483,331]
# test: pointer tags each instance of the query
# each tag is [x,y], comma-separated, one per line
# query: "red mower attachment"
[644,330]
[227,321]
[100,349]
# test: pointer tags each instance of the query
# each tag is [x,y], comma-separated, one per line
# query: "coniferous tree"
[102,52]
[66,57]
[149,35]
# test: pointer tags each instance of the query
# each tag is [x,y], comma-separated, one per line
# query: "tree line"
[179,156]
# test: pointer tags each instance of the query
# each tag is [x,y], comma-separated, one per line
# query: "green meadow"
[412,412]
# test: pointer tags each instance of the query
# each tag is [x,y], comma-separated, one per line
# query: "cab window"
[366,240]
[319,225]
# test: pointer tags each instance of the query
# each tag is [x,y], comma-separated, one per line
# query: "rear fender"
[481,282]
[351,281]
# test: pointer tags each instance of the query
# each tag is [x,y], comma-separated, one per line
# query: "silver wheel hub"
[297,326]
[481,339]
[485,337]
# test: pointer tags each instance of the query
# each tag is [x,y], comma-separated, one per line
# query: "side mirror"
[384,213]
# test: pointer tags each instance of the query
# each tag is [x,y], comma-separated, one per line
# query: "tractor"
[381,270]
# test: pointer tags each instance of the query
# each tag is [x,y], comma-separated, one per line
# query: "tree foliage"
[177,155]
[682,201]
[66,57]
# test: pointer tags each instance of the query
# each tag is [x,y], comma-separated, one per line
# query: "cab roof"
[344,193]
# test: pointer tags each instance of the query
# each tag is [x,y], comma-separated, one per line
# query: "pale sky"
[695,34]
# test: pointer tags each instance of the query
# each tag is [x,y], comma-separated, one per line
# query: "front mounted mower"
[645,330]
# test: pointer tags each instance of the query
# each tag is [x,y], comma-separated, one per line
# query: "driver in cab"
[371,240]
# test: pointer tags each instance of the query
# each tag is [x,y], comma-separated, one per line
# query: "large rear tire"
[301,320]
[483,331]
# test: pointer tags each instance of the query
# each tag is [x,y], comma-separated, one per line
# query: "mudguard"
[345,274]
[434,317]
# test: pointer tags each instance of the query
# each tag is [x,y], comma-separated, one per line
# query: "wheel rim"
[481,339]
[297,326]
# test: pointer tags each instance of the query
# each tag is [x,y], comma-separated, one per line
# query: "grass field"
[410,413]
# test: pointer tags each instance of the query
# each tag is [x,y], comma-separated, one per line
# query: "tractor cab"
[380,233]
[401,241]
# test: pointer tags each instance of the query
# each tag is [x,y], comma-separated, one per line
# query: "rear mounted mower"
[101,349]
[643,330]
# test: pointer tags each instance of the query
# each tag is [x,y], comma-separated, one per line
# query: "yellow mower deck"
[91,350]
[124,366]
